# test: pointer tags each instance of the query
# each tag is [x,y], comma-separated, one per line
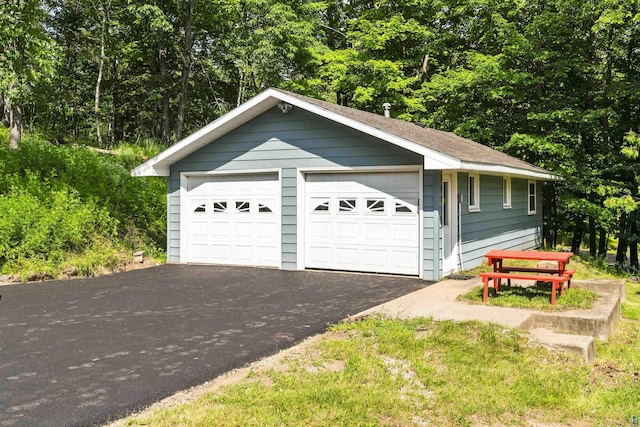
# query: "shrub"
[59,202]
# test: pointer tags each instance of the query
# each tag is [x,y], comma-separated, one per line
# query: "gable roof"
[441,150]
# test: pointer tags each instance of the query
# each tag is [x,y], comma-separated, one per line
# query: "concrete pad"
[572,330]
[580,345]
[606,286]
[439,301]
[599,321]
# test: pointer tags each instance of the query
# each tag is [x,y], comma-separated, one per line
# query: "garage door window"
[219,207]
[263,208]
[403,208]
[321,206]
[200,209]
[243,207]
[375,206]
[347,205]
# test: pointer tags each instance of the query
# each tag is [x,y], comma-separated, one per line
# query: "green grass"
[533,297]
[421,372]
[631,307]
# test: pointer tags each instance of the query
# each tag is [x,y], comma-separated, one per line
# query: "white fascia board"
[160,164]
[433,159]
[507,170]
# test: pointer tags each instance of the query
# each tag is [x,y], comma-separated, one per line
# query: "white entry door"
[233,219]
[363,222]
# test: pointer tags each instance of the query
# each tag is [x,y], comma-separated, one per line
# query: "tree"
[26,58]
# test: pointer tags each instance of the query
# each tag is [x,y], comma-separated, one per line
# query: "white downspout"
[460,197]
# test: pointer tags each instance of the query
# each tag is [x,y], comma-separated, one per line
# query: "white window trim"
[535,197]
[506,192]
[476,192]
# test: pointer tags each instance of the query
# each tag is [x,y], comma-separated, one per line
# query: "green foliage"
[69,206]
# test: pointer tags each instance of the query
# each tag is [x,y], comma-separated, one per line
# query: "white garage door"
[362,222]
[233,219]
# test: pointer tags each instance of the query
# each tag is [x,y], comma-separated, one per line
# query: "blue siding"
[495,227]
[274,140]
[432,237]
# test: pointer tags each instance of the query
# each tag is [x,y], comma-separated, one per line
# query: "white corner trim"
[301,219]
[183,218]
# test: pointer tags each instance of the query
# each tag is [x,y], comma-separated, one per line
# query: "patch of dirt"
[72,273]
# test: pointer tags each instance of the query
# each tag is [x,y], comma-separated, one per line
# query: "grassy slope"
[70,210]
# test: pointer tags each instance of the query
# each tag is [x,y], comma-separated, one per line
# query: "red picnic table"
[557,275]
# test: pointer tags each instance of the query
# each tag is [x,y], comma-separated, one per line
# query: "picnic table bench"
[557,276]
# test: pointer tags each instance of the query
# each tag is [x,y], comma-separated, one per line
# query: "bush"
[60,202]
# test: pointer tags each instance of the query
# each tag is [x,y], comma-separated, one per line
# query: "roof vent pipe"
[387,109]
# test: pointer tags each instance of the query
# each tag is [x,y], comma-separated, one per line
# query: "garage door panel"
[374,258]
[346,231]
[240,222]
[362,222]
[347,257]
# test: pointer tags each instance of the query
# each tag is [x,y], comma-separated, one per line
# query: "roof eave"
[509,170]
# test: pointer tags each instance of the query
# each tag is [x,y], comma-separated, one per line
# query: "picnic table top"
[496,254]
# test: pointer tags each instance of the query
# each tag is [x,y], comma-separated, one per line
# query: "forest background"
[553,82]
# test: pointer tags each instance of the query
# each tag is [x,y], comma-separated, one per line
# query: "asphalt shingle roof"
[443,142]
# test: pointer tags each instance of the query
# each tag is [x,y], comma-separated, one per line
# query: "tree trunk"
[603,243]
[633,246]
[165,132]
[577,237]
[15,123]
[621,253]
[548,216]
[96,105]
[186,67]
[592,237]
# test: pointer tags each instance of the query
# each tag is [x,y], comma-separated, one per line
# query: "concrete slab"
[572,330]
[580,345]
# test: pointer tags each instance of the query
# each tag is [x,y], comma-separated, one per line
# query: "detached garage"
[291,182]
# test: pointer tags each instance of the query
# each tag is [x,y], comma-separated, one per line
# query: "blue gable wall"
[495,227]
[300,139]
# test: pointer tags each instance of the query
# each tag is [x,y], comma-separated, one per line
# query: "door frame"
[184,214]
[450,262]
[301,203]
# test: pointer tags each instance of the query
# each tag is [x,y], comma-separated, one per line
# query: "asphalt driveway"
[86,351]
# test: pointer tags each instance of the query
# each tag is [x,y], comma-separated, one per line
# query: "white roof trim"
[433,160]
[160,164]
[507,170]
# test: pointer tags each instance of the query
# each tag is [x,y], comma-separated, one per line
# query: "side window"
[506,192]
[474,192]
[532,198]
